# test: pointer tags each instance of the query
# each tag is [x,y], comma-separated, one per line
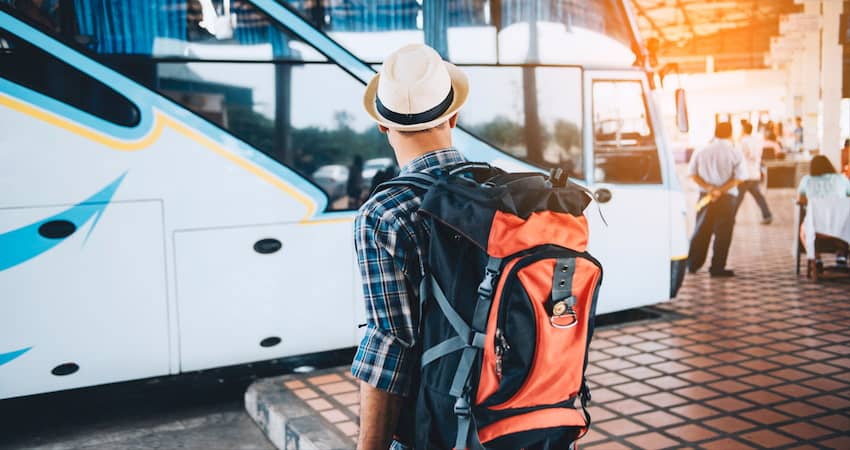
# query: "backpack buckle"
[462,407]
[491,272]
[485,289]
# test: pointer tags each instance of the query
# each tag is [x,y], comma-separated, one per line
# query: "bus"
[179,178]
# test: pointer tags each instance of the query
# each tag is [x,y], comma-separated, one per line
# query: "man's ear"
[383,129]
[453,120]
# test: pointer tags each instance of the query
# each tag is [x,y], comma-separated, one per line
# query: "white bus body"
[154,240]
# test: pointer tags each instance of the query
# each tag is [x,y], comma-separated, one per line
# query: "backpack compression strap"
[418,180]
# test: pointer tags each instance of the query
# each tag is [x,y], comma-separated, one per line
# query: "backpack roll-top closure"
[503,219]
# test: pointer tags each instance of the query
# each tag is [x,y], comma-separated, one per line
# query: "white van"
[179,178]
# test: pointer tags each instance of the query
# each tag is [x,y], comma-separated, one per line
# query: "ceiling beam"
[641,11]
[687,18]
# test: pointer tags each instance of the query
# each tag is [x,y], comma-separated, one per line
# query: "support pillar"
[811,82]
[831,80]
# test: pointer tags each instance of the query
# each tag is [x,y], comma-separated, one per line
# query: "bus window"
[624,145]
[35,69]
[479,31]
[536,116]
[226,61]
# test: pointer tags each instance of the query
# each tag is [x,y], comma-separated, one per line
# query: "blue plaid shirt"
[391,243]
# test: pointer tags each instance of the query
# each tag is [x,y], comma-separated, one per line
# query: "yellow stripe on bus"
[160,122]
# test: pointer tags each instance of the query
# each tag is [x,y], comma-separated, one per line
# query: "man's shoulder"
[389,206]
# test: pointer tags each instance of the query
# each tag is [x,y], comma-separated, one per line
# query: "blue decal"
[6,357]
[25,243]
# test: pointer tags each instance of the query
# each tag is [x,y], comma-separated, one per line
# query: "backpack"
[506,314]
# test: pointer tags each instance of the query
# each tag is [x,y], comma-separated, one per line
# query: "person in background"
[772,148]
[822,182]
[354,184]
[845,158]
[751,146]
[798,134]
[717,169]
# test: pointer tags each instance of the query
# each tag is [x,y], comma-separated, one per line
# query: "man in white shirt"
[717,169]
[751,148]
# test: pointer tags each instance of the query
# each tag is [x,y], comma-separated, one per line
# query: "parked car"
[332,178]
[373,166]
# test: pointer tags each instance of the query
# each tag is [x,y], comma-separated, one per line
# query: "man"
[414,100]
[751,148]
[717,169]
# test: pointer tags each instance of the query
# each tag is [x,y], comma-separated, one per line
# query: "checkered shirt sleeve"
[385,357]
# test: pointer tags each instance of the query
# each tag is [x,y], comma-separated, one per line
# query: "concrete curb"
[280,407]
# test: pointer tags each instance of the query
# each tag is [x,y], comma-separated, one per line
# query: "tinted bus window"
[245,73]
[624,145]
[533,113]
[479,31]
[31,67]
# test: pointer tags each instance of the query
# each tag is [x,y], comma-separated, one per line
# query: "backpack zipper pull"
[501,348]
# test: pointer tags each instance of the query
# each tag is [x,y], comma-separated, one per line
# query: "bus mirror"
[682,111]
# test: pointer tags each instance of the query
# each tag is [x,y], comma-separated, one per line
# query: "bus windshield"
[573,32]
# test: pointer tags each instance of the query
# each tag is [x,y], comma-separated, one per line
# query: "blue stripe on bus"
[22,244]
[6,357]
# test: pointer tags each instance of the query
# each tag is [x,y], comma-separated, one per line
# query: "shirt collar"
[430,160]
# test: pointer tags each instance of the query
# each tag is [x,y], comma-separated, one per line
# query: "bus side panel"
[95,298]
[240,290]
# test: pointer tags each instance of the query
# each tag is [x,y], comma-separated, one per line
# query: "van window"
[623,141]
[532,113]
[29,66]
[242,71]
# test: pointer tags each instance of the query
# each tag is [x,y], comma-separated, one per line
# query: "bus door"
[625,173]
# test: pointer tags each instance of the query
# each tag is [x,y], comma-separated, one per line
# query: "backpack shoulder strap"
[419,180]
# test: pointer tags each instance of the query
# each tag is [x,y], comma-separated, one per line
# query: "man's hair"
[723,130]
[847,142]
[821,166]
[748,128]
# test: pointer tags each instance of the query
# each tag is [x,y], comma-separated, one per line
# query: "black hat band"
[413,119]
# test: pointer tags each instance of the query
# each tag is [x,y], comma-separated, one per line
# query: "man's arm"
[379,411]
[385,358]
[704,185]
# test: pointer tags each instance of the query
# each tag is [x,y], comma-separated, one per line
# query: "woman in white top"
[823,182]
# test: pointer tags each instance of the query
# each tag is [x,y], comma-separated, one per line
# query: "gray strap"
[404,183]
[463,423]
[457,322]
[562,280]
[450,345]
[468,166]
[464,367]
[467,434]
[485,294]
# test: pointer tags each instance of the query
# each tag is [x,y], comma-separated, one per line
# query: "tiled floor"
[757,361]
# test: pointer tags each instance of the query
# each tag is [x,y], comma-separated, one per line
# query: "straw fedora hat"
[415,90]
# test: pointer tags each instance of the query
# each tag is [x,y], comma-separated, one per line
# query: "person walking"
[414,100]
[751,148]
[717,169]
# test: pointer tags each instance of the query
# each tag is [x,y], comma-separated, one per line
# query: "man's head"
[416,95]
[748,128]
[799,121]
[723,130]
